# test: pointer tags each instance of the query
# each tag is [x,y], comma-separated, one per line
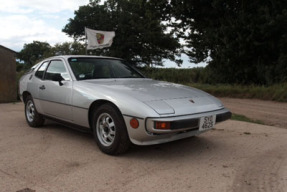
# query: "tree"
[67,48]
[37,51]
[246,40]
[141,37]
[33,52]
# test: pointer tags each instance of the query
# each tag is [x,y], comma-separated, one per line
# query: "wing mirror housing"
[58,77]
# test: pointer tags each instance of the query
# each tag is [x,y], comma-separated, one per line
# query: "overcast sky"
[23,21]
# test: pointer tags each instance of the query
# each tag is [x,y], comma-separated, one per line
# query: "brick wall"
[8,90]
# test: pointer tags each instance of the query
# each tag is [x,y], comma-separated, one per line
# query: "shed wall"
[8,90]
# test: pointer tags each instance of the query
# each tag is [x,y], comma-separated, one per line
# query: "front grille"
[190,123]
[223,116]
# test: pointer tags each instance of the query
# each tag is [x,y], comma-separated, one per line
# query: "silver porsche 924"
[116,102]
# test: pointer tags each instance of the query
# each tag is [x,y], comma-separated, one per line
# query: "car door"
[33,85]
[55,91]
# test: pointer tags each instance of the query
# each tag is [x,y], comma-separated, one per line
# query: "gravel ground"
[235,156]
[270,112]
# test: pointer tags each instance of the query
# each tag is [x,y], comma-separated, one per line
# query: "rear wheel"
[109,130]
[33,118]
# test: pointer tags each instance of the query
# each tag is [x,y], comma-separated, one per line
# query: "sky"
[25,21]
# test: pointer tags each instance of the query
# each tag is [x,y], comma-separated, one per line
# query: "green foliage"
[67,48]
[182,76]
[33,52]
[20,66]
[141,38]
[276,92]
[246,40]
[200,78]
[37,51]
[19,74]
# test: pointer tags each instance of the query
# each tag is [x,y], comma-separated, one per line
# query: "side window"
[56,68]
[41,70]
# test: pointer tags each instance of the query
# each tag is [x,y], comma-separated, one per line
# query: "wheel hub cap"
[106,129]
[30,111]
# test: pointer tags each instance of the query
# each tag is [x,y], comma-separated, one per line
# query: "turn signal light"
[162,125]
[134,123]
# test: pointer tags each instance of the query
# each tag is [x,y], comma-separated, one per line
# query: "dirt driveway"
[269,112]
[235,156]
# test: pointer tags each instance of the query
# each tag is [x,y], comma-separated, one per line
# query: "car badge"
[100,38]
[191,101]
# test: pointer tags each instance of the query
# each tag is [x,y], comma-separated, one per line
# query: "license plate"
[206,123]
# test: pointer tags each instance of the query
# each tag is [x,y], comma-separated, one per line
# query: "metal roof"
[7,49]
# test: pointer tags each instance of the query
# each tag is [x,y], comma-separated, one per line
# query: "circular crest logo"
[100,38]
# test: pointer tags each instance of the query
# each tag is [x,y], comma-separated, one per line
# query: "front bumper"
[183,127]
[223,116]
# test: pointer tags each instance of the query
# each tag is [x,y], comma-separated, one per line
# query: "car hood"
[147,89]
[163,97]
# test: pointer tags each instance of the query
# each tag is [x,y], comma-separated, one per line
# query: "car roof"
[71,56]
[80,56]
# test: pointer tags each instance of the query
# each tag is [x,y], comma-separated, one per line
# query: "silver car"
[115,102]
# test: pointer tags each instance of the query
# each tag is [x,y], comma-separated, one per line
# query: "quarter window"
[41,70]
[56,68]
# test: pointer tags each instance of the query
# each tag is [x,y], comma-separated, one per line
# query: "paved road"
[235,156]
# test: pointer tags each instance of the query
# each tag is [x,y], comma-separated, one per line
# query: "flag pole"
[86,42]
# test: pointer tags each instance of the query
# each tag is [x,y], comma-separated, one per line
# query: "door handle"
[42,87]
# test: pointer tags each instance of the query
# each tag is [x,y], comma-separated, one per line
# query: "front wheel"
[109,130]
[33,118]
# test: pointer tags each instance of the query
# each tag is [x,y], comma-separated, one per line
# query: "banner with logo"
[99,39]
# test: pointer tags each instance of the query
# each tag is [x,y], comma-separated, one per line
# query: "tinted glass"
[98,68]
[56,68]
[41,70]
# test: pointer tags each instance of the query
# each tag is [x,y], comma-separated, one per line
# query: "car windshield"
[101,68]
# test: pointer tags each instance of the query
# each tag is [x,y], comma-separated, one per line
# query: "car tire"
[33,118]
[109,130]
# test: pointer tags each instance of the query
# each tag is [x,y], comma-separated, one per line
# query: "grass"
[182,76]
[197,77]
[238,117]
[277,92]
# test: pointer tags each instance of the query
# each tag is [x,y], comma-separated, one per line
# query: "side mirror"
[58,77]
